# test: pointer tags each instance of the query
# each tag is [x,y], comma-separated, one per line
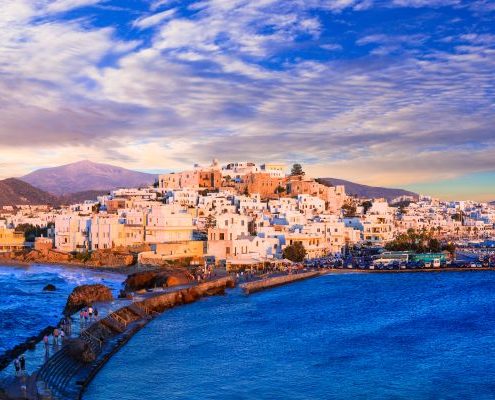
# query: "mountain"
[16,192]
[85,175]
[356,189]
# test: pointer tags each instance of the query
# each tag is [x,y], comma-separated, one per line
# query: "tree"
[297,170]
[366,205]
[279,190]
[349,210]
[210,222]
[31,231]
[295,252]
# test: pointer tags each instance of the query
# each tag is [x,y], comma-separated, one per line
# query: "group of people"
[205,274]
[20,366]
[88,314]
[58,336]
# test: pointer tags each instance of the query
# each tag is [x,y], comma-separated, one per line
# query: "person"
[45,341]
[22,362]
[86,315]
[90,312]
[81,316]
[17,366]
[62,335]
[96,313]
[55,336]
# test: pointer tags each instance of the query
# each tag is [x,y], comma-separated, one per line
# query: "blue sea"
[342,336]
[25,309]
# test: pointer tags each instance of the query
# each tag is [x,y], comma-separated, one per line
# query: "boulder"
[150,279]
[143,280]
[85,295]
[80,350]
[49,288]
[178,278]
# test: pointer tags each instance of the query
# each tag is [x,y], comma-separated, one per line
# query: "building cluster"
[237,213]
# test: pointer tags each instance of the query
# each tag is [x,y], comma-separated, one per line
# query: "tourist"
[17,366]
[55,336]
[62,335]
[86,315]
[22,363]
[96,313]
[81,316]
[45,341]
[90,312]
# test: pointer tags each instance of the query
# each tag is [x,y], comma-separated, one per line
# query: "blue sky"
[395,93]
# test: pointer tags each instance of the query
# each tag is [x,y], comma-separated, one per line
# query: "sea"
[25,309]
[340,336]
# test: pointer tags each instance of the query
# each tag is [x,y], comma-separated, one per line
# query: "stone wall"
[257,286]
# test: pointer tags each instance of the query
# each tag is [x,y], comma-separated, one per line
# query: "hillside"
[79,197]
[83,176]
[16,192]
[365,191]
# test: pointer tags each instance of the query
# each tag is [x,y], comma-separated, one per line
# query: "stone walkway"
[39,355]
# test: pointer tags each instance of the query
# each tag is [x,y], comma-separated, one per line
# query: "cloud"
[154,19]
[233,79]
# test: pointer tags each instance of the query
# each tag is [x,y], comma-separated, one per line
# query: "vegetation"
[419,242]
[31,231]
[349,210]
[295,252]
[210,222]
[82,256]
[297,170]
[279,190]
[366,205]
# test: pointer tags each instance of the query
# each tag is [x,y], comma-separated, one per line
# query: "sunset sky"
[395,93]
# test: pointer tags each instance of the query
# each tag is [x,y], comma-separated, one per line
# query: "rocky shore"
[99,259]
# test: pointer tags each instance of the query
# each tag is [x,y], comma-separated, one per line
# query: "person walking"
[96,313]
[22,363]
[90,313]
[17,366]
[45,341]
[55,336]
[62,336]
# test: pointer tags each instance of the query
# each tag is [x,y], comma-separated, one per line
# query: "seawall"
[256,286]
[69,371]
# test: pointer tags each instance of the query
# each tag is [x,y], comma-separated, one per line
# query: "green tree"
[366,205]
[349,210]
[297,170]
[279,190]
[295,252]
[211,222]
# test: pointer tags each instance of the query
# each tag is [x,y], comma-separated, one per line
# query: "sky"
[395,93]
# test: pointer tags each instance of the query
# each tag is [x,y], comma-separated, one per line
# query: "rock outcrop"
[49,288]
[98,258]
[152,279]
[85,295]
[110,258]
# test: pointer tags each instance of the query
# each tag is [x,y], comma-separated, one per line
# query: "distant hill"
[356,189]
[83,176]
[16,192]
[79,197]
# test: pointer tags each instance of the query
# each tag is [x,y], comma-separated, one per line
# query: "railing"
[119,319]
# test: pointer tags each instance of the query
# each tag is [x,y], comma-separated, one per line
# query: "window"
[222,236]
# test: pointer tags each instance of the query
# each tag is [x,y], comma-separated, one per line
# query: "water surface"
[359,336]
[25,309]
